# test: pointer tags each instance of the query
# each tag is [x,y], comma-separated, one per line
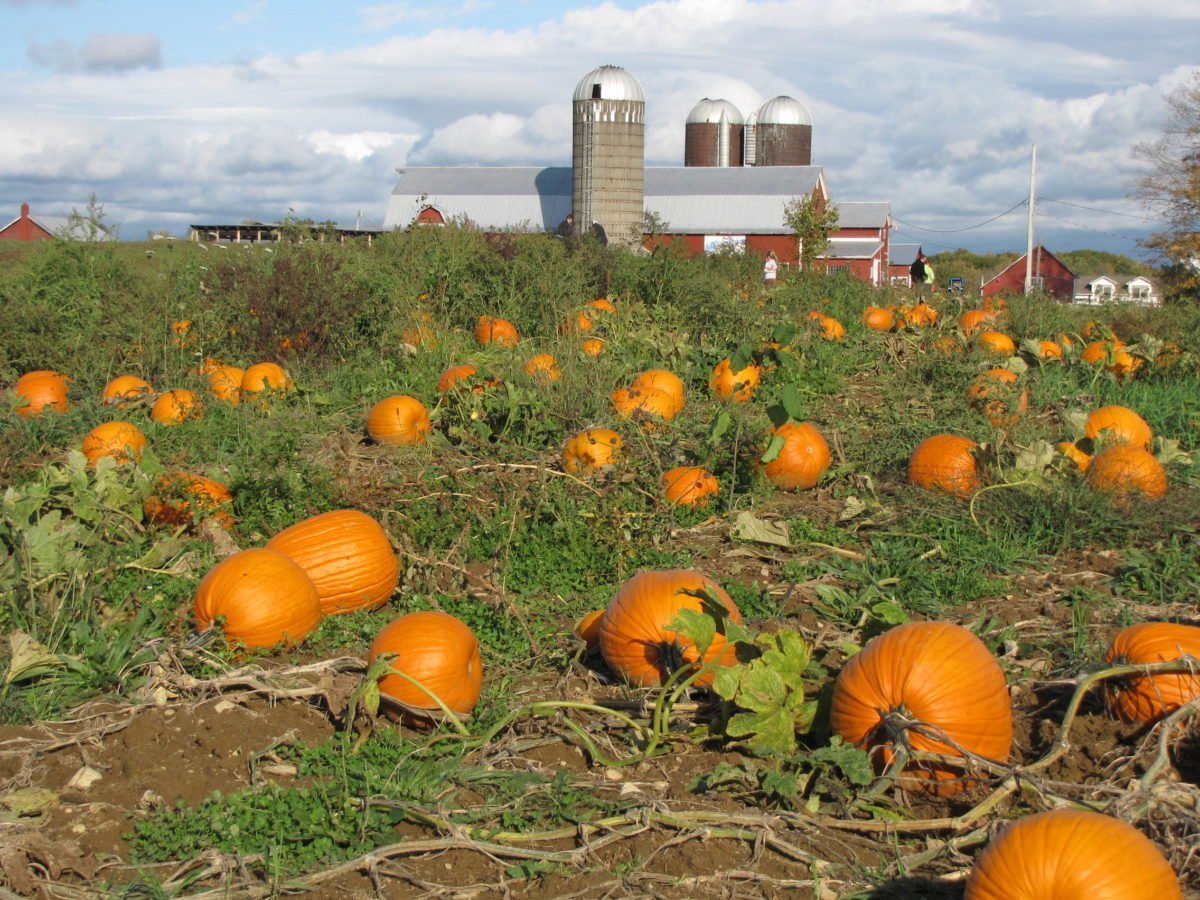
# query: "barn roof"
[903,254]
[691,200]
[864,214]
[852,248]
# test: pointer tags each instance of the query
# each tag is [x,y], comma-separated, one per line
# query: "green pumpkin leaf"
[792,402]
[773,448]
[720,428]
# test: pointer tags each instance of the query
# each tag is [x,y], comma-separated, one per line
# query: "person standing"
[929,276]
[770,269]
[916,272]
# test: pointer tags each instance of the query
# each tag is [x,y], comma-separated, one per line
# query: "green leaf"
[697,627]
[742,358]
[749,527]
[783,334]
[773,448]
[792,402]
[854,763]
[720,427]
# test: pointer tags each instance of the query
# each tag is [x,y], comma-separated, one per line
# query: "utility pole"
[1029,238]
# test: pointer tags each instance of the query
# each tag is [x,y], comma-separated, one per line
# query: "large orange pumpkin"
[490,330]
[878,319]
[348,557]
[739,386]
[124,388]
[1125,471]
[592,450]
[542,368]
[122,441]
[973,320]
[1118,425]
[180,497]
[997,343]
[644,403]
[661,380]
[263,380]
[935,673]
[437,650]
[943,462]
[1147,698]
[263,596]
[176,407]
[400,420]
[635,640]
[689,486]
[1071,854]
[41,390]
[453,375]
[995,394]
[801,461]
[225,383]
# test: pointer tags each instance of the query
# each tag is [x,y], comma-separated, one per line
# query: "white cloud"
[101,53]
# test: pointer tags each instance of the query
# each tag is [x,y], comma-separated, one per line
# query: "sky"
[232,110]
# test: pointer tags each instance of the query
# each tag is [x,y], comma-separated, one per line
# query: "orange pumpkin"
[943,462]
[739,386]
[1071,854]
[542,367]
[1075,454]
[689,486]
[592,346]
[661,380]
[401,420]
[123,389]
[181,497]
[453,375]
[643,404]
[588,628]
[181,332]
[635,639]
[602,304]
[831,328]
[1118,425]
[878,319]
[1049,350]
[973,320]
[265,379]
[994,394]
[490,330]
[176,407]
[1125,472]
[41,390]
[1147,698]
[801,460]
[1113,356]
[225,383]
[592,450]
[921,315]
[441,653]
[120,440]
[347,555]
[263,597]
[935,673]
[997,343]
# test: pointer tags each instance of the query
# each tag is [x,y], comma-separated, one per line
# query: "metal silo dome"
[783,110]
[609,83]
[708,112]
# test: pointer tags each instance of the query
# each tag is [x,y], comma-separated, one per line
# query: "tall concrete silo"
[782,134]
[608,154]
[713,134]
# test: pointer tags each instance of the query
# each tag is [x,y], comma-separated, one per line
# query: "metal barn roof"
[864,214]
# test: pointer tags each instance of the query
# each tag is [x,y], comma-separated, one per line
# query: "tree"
[88,226]
[1171,189]
[811,220]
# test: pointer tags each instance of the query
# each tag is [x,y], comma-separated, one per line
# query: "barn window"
[836,270]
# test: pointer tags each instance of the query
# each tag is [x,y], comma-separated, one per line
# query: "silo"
[608,154]
[783,134]
[713,135]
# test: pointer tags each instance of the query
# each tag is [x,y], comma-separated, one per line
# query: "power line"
[1120,237]
[1015,206]
[1107,212]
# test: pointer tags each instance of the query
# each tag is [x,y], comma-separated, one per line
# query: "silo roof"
[784,110]
[615,84]
[709,112]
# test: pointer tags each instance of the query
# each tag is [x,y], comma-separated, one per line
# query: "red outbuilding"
[26,228]
[1048,274]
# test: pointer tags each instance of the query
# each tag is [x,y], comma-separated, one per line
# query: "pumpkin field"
[457,565]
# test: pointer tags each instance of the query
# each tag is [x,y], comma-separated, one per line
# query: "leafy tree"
[1171,189]
[89,225]
[812,221]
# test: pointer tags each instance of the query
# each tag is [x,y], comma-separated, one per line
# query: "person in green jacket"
[928,274]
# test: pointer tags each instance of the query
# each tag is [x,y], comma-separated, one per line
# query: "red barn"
[26,228]
[1048,274]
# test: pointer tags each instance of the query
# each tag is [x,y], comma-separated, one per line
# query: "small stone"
[629,788]
[84,779]
[160,695]
[78,828]
[224,706]
[612,775]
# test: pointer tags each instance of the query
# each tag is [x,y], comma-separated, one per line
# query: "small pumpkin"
[802,458]
[921,315]
[995,394]
[974,320]
[944,462]
[1071,854]
[1118,425]
[176,407]
[1049,350]
[643,404]
[689,486]
[400,420]
[592,450]
[602,304]
[588,628]
[225,383]
[453,375]
[877,318]
[592,346]
[831,328]
[1075,454]
[181,333]
[996,343]
[935,673]
[661,380]
[492,330]
[263,597]
[265,379]
[41,390]
[635,639]
[347,555]
[1144,699]
[181,497]
[437,650]
[737,387]
[542,367]
[122,441]
[123,389]
[1125,472]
